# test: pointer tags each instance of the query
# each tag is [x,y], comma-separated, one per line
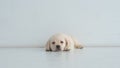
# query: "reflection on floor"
[89,57]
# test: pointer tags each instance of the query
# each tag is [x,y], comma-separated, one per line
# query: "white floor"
[89,57]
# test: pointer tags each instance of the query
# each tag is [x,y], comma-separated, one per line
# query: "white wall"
[29,23]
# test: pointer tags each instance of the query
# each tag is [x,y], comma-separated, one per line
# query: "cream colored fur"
[65,42]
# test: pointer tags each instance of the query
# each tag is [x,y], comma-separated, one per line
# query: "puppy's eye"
[61,41]
[53,42]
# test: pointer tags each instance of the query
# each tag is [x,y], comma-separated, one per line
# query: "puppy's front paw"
[48,50]
[67,50]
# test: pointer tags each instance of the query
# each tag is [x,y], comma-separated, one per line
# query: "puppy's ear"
[67,46]
[48,48]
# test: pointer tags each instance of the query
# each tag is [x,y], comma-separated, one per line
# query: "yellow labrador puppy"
[62,42]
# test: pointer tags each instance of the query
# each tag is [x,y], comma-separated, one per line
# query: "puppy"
[62,42]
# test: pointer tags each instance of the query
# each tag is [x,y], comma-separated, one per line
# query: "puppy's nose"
[58,46]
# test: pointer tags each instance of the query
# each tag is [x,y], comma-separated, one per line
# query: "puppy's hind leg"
[77,45]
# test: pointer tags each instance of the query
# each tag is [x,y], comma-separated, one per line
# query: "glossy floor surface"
[89,57]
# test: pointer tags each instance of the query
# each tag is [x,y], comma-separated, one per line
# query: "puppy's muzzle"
[58,47]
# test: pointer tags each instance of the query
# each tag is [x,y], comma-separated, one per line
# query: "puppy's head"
[56,43]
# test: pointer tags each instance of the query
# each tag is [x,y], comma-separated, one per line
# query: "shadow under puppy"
[62,42]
